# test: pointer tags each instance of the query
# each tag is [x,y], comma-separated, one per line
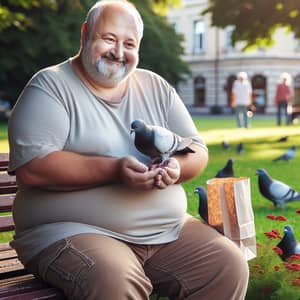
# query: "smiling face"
[110,52]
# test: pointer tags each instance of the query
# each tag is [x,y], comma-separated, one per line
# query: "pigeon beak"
[131,131]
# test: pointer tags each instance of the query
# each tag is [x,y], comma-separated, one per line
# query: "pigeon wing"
[279,190]
[164,140]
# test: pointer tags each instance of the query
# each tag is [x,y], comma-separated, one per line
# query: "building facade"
[214,62]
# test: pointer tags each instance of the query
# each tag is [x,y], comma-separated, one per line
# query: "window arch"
[228,87]
[259,94]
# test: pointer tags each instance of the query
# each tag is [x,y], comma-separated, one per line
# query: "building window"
[199,91]
[228,87]
[199,37]
[228,38]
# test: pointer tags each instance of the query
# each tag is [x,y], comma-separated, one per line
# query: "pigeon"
[226,145]
[288,243]
[240,148]
[274,190]
[289,154]
[227,171]
[202,208]
[283,139]
[158,142]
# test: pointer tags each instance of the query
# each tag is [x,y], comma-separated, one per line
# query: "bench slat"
[7,180]
[11,267]
[8,189]
[28,287]
[6,223]
[6,202]
[8,254]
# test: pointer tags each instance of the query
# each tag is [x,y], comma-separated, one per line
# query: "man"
[241,99]
[93,216]
[283,98]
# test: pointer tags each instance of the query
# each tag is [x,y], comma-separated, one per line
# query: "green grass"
[261,147]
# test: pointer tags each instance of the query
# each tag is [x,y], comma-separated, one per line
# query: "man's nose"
[118,50]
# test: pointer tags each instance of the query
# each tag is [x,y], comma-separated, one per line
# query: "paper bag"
[230,211]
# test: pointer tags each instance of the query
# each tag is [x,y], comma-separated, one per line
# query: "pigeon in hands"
[227,171]
[226,145]
[289,154]
[240,148]
[158,142]
[288,243]
[274,190]
[202,208]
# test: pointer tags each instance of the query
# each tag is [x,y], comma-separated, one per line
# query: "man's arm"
[63,170]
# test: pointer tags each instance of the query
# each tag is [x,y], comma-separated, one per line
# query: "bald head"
[107,7]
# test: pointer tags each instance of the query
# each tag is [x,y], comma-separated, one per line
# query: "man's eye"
[109,40]
[130,45]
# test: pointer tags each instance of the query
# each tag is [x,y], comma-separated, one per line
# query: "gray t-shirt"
[56,111]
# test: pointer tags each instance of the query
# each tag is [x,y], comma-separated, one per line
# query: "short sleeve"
[181,122]
[39,124]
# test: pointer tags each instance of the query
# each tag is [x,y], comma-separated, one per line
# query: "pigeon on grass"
[225,145]
[288,243]
[283,139]
[202,207]
[158,142]
[240,148]
[288,155]
[274,190]
[227,171]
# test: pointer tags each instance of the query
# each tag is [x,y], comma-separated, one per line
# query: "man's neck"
[109,94]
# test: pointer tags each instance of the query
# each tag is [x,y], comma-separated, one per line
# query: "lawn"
[260,147]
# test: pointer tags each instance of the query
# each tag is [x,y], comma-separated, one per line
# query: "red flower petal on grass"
[293,267]
[274,234]
[261,271]
[281,218]
[296,282]
[278,250]
[276,268]
[277,218]
[298,211]
[295,256]
[257,266]
[272,217]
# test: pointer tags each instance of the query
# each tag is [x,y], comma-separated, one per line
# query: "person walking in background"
[283,98]
[241,99]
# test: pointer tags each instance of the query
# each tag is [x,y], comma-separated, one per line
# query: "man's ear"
[83,32]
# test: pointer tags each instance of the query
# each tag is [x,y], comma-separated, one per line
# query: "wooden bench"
[15,282]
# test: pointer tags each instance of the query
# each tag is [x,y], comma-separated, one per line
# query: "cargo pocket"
[64,266]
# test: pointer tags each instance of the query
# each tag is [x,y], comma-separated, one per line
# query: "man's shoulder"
[147,74]
[53,69]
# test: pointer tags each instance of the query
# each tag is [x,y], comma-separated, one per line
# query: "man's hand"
[167,175]
[137,175]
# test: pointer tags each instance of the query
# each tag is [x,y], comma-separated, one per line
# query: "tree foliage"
[50,33]
[255,21]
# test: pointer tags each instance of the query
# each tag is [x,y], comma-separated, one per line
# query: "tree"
[15,13]
[255,21]
[51,34]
